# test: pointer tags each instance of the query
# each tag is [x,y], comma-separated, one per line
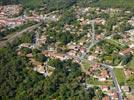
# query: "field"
[85,65]
[120,75]
[94,81]
[131,64]
[115,3]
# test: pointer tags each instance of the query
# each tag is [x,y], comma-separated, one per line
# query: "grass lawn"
[94,81]
[85,65]
[131,64]
[31,3]
[120,75]
[115,43]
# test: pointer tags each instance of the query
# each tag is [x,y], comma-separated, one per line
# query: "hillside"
[60,4]
[25,3]
[115,3]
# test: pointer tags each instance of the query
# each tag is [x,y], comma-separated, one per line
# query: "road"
[93,43]
[11,37]
[119,91]
[18,34]
[110,68]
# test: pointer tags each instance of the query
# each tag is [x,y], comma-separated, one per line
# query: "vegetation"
[19,81]
[86,65]
[131,64]
[119,73]
[130,81]
[31,3]
[94,81]
[26,3]
[114,3]
[110,55]
[9,30]
[51,5]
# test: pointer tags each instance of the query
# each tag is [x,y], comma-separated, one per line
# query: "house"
[41,40]
[131,34]
[125,88]
[100,21]
[72,53]
[131,21]
[83,50]
[91,58]
[25,45]
[40,69]
[128,72]
[113,94]
[55,55]
[60,56]
[29,55]
[103,75]
[102,78]
[104,88]
[131,46]
[84,21]
[98,50]
[99,37]
[126,51]
[93,68]
[73,46]
[106,97]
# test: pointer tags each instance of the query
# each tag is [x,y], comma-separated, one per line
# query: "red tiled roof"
[106,98]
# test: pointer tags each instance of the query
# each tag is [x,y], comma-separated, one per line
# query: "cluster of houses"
[10,10]
[14,22]
[38,43]
[9,13]
[76,50]
[111,93]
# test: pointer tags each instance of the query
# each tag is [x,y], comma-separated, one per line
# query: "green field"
[116,43]
[86,65]
[94,81]
[115,3]
[120,75]
[131,64]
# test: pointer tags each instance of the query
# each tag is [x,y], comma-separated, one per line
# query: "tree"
[40,57]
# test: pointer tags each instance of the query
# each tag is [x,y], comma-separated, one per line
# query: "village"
[100,54]
[11,18]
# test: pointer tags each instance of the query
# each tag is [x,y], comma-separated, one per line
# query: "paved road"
[93,43]
[119,91]
[110,68]
[18,34]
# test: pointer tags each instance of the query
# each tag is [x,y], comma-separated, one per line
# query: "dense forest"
[61,4]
